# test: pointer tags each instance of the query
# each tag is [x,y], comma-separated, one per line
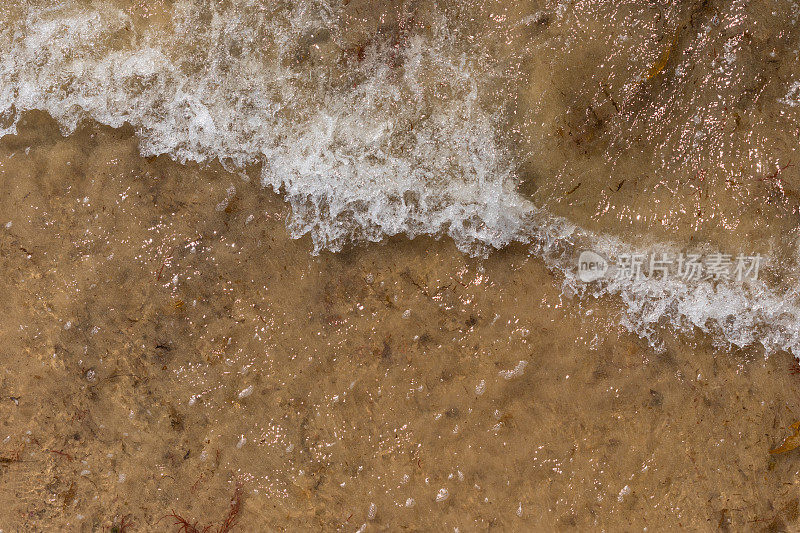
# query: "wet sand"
[171,353]
[661,121]
[165,342]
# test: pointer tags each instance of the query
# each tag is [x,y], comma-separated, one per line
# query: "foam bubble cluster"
[737,314]
[392,141]
[386,136]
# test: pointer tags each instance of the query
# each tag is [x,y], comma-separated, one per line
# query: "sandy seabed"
[168,350]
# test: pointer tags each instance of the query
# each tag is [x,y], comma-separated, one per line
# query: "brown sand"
[168,351]
[161,347]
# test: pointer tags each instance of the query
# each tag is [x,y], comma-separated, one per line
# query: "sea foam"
[360,150]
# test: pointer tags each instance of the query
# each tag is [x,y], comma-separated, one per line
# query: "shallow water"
[177,335]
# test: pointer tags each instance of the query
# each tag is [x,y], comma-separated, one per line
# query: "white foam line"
[357,164]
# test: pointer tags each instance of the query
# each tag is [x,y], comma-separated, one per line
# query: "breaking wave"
[365,137]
